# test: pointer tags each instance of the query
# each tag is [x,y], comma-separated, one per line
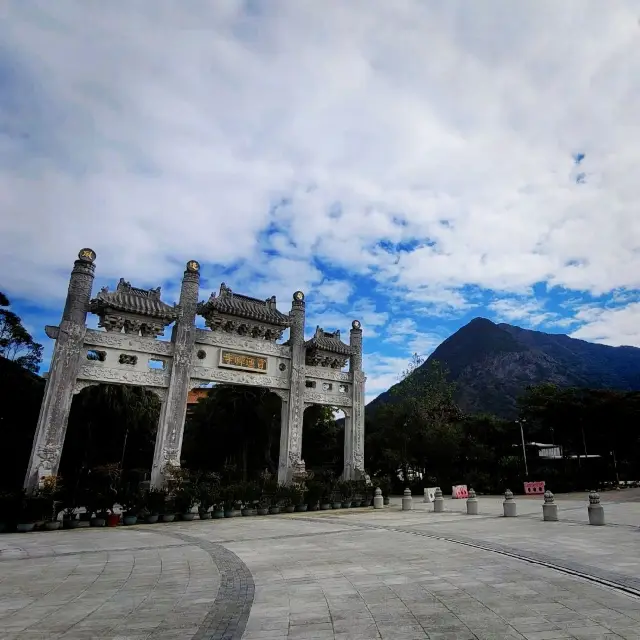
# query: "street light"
[524,449]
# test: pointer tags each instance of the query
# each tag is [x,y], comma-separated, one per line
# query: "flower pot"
[218,514]
[67,523]
[129,520]
[274,510]
[229,513]
[346,504]
[77,524]
[204,515]
[336,505]
[53,525]
[25,527]
[290,508]
[113,519]
[167,517]
[263,511]
[313,507]
[364,503]
[85,517]
[325,506]
[151,519]
[385,501]
[301,508]
[98,522]
[249,512]
[188,517]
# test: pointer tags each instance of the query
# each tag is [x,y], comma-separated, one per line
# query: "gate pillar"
[174,408]
[354,423]
[63,371]
[293,411]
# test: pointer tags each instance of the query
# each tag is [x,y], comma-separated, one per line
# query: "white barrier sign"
[430,494]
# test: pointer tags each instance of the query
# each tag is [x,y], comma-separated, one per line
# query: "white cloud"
[166,134]
[615,327]
[421,148]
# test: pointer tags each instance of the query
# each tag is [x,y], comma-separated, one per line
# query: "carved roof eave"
[112,303]
[228,303]
[329,345]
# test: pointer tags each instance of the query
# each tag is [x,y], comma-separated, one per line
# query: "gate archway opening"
[234,425]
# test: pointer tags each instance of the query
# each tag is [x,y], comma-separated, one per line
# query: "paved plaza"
[347,574]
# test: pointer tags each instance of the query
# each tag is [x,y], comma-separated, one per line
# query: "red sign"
[534,487]
[459,491]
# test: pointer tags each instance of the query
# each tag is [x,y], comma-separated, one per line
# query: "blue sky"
[412,164]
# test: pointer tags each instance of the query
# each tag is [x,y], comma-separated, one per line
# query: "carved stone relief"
[282,393]
[252,345]
[324,373]
[237,377]
[317,397]
[128,342]
[83,384]
[123,376]
[160,392]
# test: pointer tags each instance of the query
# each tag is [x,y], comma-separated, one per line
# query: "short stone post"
[378,500]
[407,500]
[509,504]
[472,503]
[549,508]
[596,510]
[438,501]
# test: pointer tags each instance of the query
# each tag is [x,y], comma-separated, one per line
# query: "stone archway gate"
[239,347]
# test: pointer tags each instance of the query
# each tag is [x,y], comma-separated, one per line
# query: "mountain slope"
[492,364]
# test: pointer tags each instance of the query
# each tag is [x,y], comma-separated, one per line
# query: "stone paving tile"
[325,576]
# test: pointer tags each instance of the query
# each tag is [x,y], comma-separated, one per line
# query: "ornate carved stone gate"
[239,347]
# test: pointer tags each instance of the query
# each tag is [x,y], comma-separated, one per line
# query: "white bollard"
[509,504]
[472,503]
[549,508]
[596,510]
[407,500]
[438,501]
[378,500]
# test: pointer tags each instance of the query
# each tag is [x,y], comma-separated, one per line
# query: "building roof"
[234,304]
[328,342]
[129,299]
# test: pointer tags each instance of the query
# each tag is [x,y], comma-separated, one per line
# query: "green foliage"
[16,343]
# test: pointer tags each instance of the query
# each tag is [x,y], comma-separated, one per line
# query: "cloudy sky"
[411,163]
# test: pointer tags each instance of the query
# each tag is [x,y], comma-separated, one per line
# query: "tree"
[110,424]
[417,431]
[15,341]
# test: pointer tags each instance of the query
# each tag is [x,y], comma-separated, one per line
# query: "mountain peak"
[493,364]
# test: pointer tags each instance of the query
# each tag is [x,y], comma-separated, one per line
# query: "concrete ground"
[347,574]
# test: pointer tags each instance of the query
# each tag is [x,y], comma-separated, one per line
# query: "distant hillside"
[492,364]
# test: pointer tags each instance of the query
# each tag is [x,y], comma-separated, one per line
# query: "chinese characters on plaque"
[243,361]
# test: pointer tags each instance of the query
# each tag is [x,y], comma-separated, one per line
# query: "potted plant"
[153,503]
[297,496]
[207,492]
[168,510]
[263,505]
[250,497]
[278,499]
[131,503]
[185,499]
[50,491]
[217,500]
[32,509]
[230,500]
[313,494]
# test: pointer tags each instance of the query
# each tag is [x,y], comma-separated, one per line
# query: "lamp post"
[524,449]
